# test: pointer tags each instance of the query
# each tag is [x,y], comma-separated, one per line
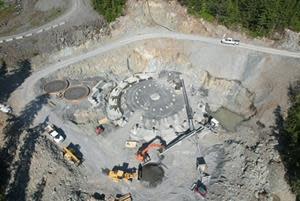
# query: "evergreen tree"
[110,9]
[260,17]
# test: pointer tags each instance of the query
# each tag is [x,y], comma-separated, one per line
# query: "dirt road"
[63,19]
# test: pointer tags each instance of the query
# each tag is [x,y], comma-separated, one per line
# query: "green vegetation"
[291,155]
[290,141]
[2,197]
[110,9]
[259,17]
[2,4]
[6,10]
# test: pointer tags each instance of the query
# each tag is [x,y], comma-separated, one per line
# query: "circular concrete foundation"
[156,100]
[76,93]
[56,86]
[152,174]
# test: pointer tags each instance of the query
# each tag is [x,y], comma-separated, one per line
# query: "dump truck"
[51,130]
[71,155]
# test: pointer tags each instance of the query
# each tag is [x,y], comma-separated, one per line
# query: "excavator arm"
[143,155]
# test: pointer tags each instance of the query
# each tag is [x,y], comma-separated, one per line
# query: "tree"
[110,9]
[260,17]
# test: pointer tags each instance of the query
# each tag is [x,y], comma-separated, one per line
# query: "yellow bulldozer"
[71,154]
[119,173]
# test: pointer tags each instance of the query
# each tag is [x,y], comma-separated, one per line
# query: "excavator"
[142,154]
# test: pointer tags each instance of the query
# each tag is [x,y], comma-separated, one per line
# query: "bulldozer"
[118,173]
[71,154]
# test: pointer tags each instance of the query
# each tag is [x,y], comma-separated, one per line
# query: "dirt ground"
[243,160]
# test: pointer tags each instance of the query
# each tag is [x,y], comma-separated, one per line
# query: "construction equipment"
[117,175]
[131,143]
[99,129]
[142,154]
[199,186]
[103,121]
[125,197]
[71,154]
[123,173]
[52,131]
[191,130]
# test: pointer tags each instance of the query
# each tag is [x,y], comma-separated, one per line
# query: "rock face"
[291,41]
[228,93]
[247,170]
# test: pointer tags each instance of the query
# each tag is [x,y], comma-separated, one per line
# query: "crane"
[191,130]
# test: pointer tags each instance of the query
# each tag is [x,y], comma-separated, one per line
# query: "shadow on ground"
[11,81]
[13,131]
[287,132]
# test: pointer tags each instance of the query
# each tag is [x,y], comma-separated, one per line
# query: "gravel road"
[76,5]
[26,94]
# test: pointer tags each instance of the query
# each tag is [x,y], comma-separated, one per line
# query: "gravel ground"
[243,164]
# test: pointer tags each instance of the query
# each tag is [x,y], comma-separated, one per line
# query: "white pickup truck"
[54,134]
[5,108]
[230,41]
